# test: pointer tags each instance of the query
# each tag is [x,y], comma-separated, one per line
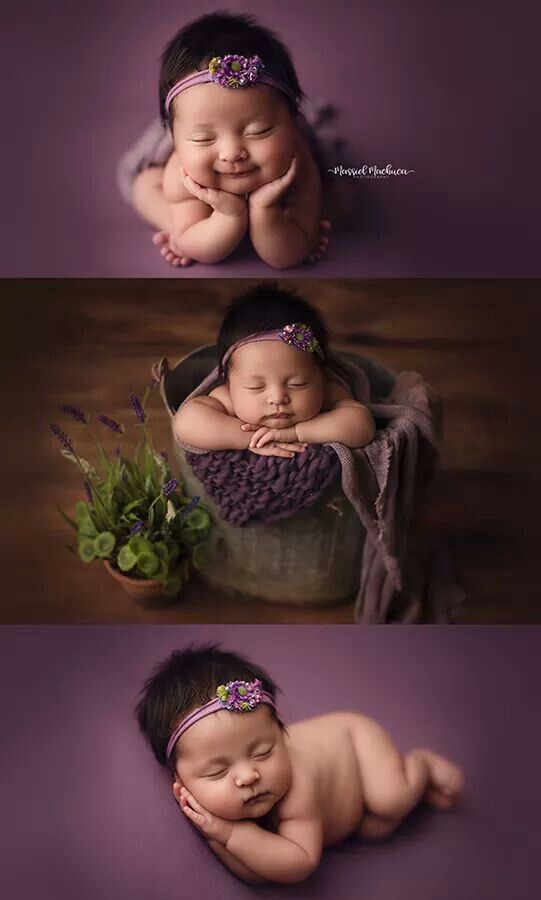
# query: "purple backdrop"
[86,813]
[435,87]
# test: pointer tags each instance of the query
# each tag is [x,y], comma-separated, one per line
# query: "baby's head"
[233,139]
[235,762]
[273,382]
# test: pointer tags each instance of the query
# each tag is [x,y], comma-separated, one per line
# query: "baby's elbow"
[365,429]
[302,871]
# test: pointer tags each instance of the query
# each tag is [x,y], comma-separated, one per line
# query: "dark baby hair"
[267,307]
[184,681]
[218,34]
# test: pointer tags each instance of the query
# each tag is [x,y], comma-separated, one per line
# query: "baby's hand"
[269,194]
[263,436]
[212,827]
[223,202]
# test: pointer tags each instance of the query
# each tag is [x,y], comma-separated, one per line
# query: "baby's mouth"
[239,174]
[256,798]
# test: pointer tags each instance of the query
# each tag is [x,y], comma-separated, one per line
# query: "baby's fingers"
[293,446]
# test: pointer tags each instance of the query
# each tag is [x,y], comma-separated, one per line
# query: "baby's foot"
[446,781]
[162,239]
[322,241]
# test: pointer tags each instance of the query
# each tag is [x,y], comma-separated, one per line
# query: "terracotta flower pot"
[146,591]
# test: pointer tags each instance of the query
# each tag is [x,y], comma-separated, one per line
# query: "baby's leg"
[394,784]
[148,198]
[149,201]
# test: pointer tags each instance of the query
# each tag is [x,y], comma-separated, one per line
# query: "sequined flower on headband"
[299,336]
[240,696]
[235,71]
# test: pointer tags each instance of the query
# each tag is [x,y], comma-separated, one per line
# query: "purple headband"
[297,335]
[231,71]
[237,696]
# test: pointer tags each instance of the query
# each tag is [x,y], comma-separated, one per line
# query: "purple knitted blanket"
[250,489]
[385,483]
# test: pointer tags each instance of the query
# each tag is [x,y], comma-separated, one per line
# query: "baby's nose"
[278,396]
[246,776]
[232,150]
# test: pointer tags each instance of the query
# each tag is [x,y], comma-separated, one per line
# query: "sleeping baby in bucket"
[269,798]
[277,394]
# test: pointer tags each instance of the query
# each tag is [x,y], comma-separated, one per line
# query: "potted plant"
[136,517]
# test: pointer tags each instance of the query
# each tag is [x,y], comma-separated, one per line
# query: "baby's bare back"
[326,763]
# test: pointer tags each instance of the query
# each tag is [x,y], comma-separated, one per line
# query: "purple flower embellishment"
[74,412]
[62,436]
[110,423]
[234,71]
[240,696]
[88,491]
[170,487]
[300,336]
[137,408]
[137,527]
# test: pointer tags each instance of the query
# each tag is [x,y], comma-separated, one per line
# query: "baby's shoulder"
[334,391]
[221,393]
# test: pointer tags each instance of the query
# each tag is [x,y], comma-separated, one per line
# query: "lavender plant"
[136,513]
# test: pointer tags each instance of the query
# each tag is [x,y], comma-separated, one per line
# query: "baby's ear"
[176,786]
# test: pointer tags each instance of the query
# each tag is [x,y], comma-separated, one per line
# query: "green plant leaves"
[126,559]
[87,551]
[104,544]
[149,563]
[198,519]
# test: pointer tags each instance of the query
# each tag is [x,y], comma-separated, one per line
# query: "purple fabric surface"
[248,489]
[86,812]
[439,88]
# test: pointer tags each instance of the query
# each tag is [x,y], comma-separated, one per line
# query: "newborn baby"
[268,798]
[241,160]
[277,394]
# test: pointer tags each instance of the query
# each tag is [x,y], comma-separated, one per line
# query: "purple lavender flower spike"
[186,510]
[88,491]
[110,423]
[170,487]
[137,527]
[164,456]
[74,412]
[62,437]
[137,408]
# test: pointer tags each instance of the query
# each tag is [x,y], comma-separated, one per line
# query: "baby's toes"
[440,801]
[186,261]
[159,238]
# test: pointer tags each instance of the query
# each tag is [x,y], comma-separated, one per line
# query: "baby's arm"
[289,856]
[285,235]
[250,851]
[206,225]
[204,422]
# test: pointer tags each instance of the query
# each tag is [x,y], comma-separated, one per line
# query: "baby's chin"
[241,184]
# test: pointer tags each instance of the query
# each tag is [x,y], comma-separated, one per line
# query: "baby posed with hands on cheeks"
[241,161]
[269,798]
[277,394]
